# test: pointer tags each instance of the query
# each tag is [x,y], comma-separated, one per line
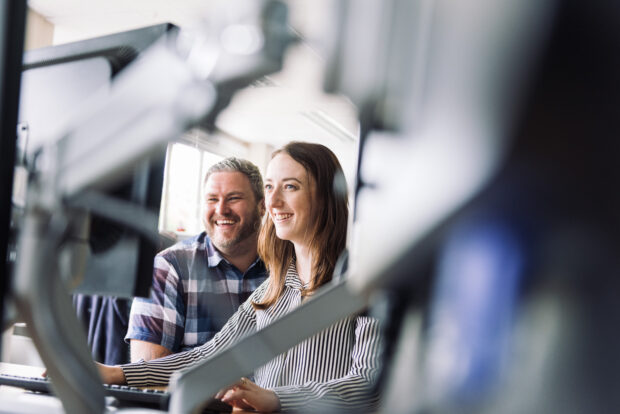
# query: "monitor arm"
[173,86]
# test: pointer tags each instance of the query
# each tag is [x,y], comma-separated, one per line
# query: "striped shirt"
[195,291]
[335,368]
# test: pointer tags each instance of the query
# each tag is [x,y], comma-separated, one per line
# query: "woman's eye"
[290,187]
[268,187]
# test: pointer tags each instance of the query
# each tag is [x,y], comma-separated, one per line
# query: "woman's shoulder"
[260,291]
[365,319]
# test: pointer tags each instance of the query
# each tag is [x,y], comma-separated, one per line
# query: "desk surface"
[19,401]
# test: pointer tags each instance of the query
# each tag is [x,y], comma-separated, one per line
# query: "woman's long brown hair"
[329,231]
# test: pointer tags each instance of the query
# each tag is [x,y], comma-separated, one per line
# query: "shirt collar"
[214,257]
[292,277]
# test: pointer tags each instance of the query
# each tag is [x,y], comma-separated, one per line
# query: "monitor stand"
[43,301]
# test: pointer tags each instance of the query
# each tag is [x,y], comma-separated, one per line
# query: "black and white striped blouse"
[335,368]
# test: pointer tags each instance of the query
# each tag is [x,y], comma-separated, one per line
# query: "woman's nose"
[274,198]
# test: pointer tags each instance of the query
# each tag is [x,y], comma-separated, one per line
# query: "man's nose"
[221,207]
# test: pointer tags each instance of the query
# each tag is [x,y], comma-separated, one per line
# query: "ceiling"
[290,106]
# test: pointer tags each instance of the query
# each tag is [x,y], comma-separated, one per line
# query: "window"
[182,196]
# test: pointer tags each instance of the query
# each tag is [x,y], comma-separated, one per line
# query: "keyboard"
[124,393]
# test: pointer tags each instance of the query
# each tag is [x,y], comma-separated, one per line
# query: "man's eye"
[290,187]
[234,198]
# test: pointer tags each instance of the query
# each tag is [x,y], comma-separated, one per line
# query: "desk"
[19,401]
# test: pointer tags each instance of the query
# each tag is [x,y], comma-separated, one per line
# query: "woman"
[302,235]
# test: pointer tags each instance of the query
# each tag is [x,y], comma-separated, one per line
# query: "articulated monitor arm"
[171,87]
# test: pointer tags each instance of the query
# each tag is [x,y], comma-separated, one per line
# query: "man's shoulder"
[191,244]
[258,269]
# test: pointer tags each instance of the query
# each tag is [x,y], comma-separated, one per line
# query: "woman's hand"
[111,374]
[246,395]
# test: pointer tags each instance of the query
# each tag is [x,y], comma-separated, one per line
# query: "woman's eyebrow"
[270,180]
[292,179]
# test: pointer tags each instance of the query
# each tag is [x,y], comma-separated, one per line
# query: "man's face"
[232,212]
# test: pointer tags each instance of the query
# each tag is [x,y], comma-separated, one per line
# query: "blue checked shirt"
[195,291]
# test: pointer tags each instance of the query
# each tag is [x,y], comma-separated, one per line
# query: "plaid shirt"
[195,291]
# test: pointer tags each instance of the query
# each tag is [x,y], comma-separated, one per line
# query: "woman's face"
[288,194]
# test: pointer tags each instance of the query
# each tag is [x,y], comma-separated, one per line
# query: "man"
[200,282]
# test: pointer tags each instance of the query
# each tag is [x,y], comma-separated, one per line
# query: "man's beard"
[250,228]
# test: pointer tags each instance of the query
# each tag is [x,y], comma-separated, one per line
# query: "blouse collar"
[292,277]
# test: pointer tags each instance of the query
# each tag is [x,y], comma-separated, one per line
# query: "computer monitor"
[56,81]
[12,25]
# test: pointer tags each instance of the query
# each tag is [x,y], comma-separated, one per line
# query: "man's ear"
[261,207]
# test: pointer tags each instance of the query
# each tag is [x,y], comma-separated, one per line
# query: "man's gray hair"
[234,164]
